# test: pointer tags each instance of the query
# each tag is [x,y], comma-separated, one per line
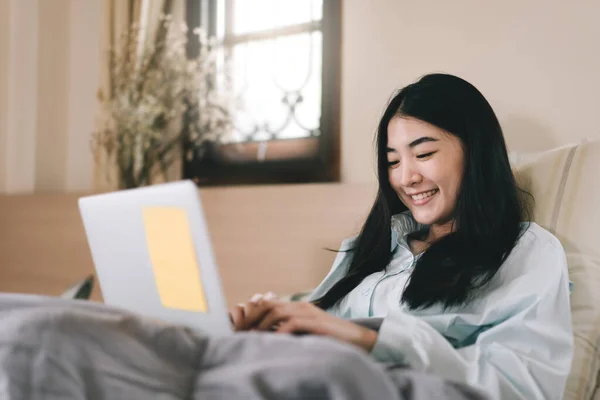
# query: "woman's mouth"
[423,198]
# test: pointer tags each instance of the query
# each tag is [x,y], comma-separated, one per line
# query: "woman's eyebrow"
[421,140]
[414,143]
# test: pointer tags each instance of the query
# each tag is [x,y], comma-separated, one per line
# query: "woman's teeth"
[422,196]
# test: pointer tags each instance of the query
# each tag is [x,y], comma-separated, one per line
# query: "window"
[284,59]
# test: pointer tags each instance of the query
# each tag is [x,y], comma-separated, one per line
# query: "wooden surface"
[265,238]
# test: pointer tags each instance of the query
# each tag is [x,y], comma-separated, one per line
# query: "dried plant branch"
[160,99]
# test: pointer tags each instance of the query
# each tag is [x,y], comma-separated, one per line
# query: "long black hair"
[489,207]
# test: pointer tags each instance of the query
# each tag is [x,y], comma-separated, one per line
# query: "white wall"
[4,40]
[84,79]
[536,61]
[49,69]
[52,98]
[20,35]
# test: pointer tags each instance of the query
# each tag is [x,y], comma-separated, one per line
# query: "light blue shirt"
[515,341]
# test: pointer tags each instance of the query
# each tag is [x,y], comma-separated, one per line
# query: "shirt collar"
[403,224]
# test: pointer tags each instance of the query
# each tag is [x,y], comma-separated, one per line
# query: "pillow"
[566,186]
[517,158]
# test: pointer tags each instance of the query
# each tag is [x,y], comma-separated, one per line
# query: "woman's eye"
[426,155]
[392,163]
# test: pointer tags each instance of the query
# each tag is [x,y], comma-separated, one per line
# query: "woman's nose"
[409,176]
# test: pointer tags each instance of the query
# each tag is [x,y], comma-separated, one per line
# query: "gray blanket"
[61,349]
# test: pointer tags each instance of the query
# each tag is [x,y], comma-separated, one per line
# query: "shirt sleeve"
[525,353]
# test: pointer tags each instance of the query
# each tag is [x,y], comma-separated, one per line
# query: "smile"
[422,198]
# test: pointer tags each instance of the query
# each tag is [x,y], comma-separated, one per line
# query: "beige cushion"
[565,183]
[519,158]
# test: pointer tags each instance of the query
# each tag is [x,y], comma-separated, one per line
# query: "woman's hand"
[303,317]
[237,314]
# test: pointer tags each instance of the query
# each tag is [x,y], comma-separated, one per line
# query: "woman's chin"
[424,218]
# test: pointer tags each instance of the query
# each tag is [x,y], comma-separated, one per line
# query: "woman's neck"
[419,242]
[438,231]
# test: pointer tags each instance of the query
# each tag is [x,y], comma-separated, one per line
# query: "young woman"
[467,288]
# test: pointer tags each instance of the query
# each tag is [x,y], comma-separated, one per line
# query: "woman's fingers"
[280,312]
[255,311]
[275,315]
[245,316]
[256,298]
[237,315]
[270,296]
[299,325]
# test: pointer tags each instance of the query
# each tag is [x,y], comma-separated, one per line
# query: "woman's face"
[425,166]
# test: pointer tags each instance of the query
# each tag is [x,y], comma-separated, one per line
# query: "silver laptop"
[153,255]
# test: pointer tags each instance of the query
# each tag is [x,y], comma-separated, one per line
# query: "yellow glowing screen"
[173,258]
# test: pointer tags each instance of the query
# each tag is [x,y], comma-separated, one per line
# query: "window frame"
[303,160]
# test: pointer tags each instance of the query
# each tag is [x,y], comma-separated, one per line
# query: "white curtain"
[49,67]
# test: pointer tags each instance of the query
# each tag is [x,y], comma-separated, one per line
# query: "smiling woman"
[440,135]
[466,286]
